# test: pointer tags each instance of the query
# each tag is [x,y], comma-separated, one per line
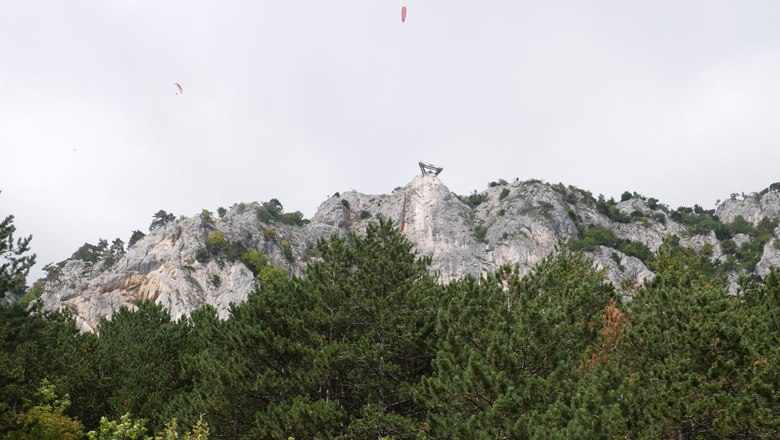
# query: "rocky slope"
[183,264]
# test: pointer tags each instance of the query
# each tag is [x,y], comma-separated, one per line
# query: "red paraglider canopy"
[403,14]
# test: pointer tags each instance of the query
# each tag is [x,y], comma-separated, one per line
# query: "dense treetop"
[368,345]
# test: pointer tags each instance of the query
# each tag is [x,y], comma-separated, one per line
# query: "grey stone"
[530,222]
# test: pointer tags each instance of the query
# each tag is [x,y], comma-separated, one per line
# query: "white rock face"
[626,273]
[752,208]
[771,257]
[162,267]
[517,223]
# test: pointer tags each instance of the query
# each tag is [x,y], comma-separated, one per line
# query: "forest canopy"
[368,345]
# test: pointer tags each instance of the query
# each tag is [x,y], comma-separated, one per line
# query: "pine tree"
[508,346]
[684,358]
[375,308]
[139,360]
[265,367]
[14,264]
[37,345]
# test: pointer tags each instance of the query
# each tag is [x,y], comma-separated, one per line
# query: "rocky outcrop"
[163,267]
[517,223]
[753,207]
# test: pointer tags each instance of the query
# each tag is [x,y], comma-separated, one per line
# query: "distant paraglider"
[403,14]
[178,87]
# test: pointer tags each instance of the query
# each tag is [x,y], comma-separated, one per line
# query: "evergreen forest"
[367,345]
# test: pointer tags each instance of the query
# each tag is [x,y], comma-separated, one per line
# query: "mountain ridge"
[191,261]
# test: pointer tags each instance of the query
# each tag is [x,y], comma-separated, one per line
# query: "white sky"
[296,100]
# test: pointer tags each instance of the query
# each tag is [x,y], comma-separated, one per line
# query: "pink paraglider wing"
[403,14]
[178,86]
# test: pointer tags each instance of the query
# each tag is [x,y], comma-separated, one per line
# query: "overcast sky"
[296,100]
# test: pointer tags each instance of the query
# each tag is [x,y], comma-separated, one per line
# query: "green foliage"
[126,428]
[652,203]
[37,345]
[609,209]
[375,301]
[740,226]
[293,218]
[273,211]
[683,357]
[587,196]
[701,222]
[32,294]
[364,214]
[134,238]
[766,226]
[222,212]
[161,218]
[750,252]
[44,418]
[616,258]
[202,255]
[480,231]
[241,208]
[269,211]
[344,344]
[207,217]
[112,254]
[746,256]
[117,248]
[507,347]
[14,264]
[345,203]
[171,431]
[146,373]
[728,247]
[474,200]
[254,260]
[595,235]
[216,241]
[635,249]
[261,267]
[287,250]
[625,196]
[270,233]
[504,194]
[88,253]
[542,208]
[368,345]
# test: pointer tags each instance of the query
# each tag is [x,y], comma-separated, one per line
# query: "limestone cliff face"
[163,267]
[752,208]
[516,223]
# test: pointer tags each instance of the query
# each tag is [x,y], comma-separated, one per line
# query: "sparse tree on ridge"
[137,235]
[161,218]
